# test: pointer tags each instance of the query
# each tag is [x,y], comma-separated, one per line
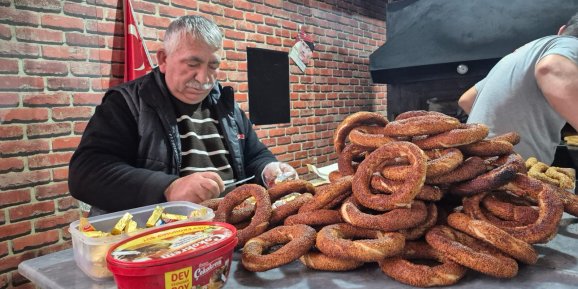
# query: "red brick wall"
[58,57]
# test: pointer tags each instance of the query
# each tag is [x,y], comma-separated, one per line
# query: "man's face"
[190,70]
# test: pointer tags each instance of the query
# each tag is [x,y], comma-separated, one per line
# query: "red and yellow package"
[131,226]
[169,218]
[121,224]
[155,216]
[85,226]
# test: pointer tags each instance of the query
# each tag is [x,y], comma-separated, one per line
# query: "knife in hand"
[239,182]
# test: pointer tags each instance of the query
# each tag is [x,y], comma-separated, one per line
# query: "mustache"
[201,86]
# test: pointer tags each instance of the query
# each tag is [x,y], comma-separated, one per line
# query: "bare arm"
[467,99]
[557,77]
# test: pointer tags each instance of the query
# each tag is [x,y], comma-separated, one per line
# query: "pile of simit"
[423,186]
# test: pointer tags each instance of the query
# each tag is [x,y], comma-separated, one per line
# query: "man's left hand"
[277,172]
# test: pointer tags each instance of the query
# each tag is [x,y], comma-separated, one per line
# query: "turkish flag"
[137,61]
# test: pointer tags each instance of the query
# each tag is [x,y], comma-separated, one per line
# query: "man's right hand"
[195,187]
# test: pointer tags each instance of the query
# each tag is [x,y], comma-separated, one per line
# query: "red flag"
[137,60]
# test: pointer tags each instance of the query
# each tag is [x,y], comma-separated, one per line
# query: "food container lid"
[169,244]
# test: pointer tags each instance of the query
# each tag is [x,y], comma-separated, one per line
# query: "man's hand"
[195,187]
[277,172]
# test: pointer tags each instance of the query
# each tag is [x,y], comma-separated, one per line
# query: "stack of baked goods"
[564,178]
[423,186]
[571,140]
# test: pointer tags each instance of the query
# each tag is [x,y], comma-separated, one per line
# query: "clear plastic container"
[90,252]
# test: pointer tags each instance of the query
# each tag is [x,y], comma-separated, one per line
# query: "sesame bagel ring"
[463,134]
[544,228]
[290,186]
[551,209]
[493,179]
[414,113]
[297,240]
[442,161]
[511,137]
[336,203]
[472,207]
[403,270]
[524,185]
[396,168]
[285,190]
[369,136]
[471,253]
[240,213]
[514,158]
[394,220]
[487,148]
[509,211]
[396,172]
[373,163]
[569,200]
[349,242]
[439,162]
[334,176]
[260,220]
[420,230]
[315,218]
[495,236]
[325,197]
[426,193]
[495,146]
[354,120]
[345,161]
[430,193]
[469,169]
[281,212]
[420,125]
[319,261]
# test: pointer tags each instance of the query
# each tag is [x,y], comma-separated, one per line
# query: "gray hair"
[198,27]
[571,27]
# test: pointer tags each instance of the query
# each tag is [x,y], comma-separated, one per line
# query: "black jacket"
[130,151]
